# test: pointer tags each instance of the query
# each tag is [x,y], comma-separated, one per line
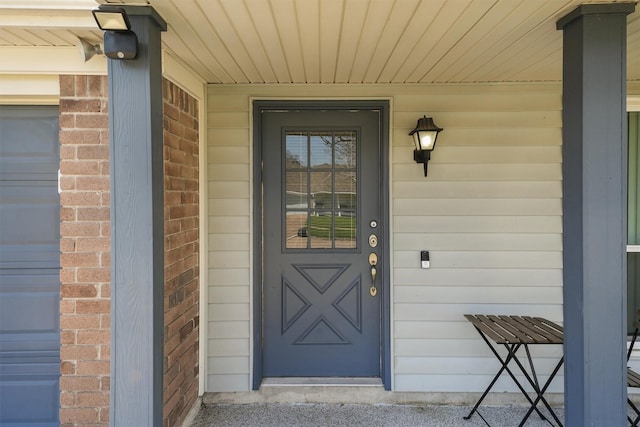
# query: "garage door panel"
[42,256]
[25,400]
[29,309]
[29,225]
[29,266]
[29,139]
[42,318]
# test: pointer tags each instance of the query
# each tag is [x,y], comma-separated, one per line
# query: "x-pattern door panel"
[321,304]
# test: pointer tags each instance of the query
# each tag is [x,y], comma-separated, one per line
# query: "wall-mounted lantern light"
[119,41]
[424,138]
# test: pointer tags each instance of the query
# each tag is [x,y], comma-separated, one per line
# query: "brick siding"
[85,252]
[181,242]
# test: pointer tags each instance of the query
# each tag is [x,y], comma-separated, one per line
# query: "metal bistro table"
[514,332]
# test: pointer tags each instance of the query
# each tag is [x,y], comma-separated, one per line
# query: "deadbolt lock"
[373,240]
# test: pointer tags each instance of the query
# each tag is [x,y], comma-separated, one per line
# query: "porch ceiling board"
[491,48]
[373,27]
[335,41]
[195,47]
[229,19]
[380,41]
[268,33]
[309,34]
[284,15]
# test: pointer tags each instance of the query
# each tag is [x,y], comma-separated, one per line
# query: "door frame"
[304,104]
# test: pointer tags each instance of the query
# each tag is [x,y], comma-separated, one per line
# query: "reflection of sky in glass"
[296,149]
[320,143]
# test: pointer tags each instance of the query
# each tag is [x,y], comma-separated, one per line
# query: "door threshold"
[321,382]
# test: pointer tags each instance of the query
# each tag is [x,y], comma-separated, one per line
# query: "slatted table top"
[517,329]
[633,378]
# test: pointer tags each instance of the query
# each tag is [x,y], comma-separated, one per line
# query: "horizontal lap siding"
[489,212]
[229,209]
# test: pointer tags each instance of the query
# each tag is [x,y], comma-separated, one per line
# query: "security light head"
[112,19]
[119,41]
[88,50]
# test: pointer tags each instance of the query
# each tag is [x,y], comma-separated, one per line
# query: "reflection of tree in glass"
[343,146]
[345,150]
[293,160]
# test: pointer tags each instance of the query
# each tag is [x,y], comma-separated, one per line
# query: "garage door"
[29,266]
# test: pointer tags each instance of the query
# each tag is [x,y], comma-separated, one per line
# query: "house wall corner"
[85,276]
[181,243]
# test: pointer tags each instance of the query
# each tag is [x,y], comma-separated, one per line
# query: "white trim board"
[183,76]
[48,4]
[49,60]
[29,89]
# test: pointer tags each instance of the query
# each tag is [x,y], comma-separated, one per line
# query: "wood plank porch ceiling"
[349,41]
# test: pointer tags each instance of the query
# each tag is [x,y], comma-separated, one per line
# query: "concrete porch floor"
[338,402]
[341,402]
[379,415]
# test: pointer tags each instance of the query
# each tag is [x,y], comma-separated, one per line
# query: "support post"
[137,249]
[594,213]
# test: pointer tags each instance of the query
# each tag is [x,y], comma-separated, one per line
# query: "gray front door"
[322,200]
[29,266]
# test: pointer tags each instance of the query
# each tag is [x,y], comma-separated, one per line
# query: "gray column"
[137,227]
[594,213]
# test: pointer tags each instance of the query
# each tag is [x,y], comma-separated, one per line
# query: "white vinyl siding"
[489,212]
[229,209]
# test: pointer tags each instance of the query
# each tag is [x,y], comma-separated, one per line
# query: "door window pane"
[345,230]
[321,148]
[345,149]
[320,189]
[321,230]
[296,150]
[296,190]
[296,230]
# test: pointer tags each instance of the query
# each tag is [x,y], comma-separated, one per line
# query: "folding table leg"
[511,354]
[637,414]
[540,392]
[533,382]
[495,378]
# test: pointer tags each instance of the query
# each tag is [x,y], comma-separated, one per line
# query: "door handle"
[373,261]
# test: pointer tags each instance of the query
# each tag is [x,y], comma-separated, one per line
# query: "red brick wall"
[181,253]
[85,252]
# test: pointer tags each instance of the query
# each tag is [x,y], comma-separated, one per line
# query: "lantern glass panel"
[427,139]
